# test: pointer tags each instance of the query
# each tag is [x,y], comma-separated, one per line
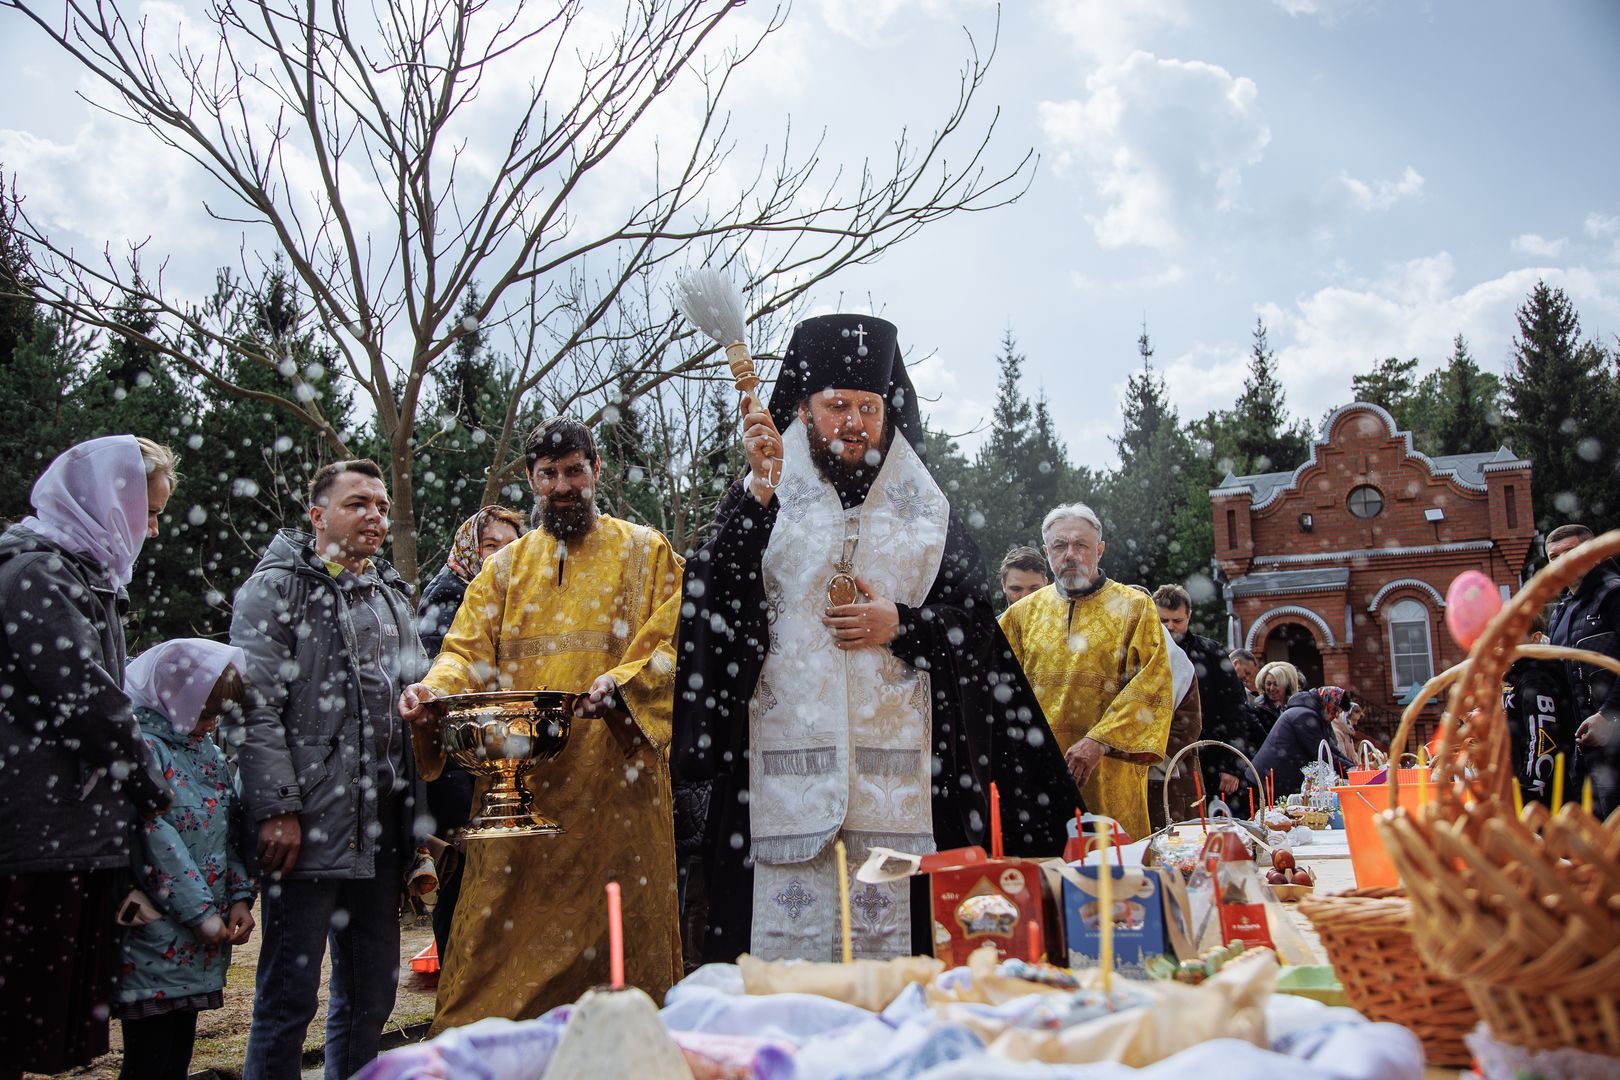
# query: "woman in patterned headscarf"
[479,537]
[1296,741]
[450,796]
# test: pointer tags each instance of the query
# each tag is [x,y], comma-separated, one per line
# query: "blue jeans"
[359,917]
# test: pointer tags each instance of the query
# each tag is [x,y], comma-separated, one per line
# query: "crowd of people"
[827,668]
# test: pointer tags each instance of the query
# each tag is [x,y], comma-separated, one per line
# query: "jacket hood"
[294,550]
[1304,700]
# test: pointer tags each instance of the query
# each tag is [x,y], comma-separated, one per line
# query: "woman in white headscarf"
[75,777]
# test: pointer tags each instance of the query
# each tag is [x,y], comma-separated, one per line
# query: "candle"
[1518,799]
[1036,946]
[1198,785]
[1251,804]
[1105,907]
[1586,795]
[843,898]
[1423,779]
[615,937]
[995,821]
[1558,783]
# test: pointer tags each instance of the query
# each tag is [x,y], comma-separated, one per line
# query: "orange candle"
[1036,945]
[615,937]
[995,821]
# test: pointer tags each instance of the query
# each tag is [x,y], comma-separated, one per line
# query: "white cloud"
[1415,309]
[1539,246]
[864,20]
[1153,279]
[1382,194]
[1163,142]
[1605,227]
[1110,30]
[949,406]
[1326,11]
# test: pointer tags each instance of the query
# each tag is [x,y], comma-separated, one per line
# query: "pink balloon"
[1471,602]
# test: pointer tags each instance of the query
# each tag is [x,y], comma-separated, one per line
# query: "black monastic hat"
[847,352]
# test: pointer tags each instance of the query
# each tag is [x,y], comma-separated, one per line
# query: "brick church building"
[1341,565]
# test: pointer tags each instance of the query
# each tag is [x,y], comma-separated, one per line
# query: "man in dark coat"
[840,672]
[1587,616]
[1220,691]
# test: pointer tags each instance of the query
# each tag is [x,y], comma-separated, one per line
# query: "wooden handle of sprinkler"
[742,368]
[747,383]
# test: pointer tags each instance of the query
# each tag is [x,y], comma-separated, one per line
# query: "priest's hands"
[872,622]
[762,444]
[1083,757]
[603,701]
[419,705]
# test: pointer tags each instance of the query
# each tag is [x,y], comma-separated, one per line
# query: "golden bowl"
[501,735]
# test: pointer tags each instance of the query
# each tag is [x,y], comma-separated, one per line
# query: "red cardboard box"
[976,901]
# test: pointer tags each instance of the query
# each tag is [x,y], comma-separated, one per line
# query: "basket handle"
[1474,706]
[1170,767]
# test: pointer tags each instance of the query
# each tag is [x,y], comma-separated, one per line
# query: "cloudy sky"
[1372,177]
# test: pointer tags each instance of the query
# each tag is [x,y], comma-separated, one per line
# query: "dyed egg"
[1471,602]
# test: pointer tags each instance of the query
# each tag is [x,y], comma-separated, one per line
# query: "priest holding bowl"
[586,605]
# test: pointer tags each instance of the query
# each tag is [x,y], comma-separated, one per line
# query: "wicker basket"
[1367,934]
[1522,911]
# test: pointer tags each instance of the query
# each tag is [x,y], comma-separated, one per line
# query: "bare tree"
[386,153]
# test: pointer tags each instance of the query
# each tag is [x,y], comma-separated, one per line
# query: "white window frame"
[1405,612]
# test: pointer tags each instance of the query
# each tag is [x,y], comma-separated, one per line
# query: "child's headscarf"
[176,677]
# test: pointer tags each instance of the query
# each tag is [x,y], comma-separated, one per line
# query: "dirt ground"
[222,1033]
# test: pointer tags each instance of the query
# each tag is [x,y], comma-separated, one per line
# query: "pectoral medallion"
[841,587]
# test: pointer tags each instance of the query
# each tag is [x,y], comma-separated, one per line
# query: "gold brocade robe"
[1099,667]
[530,930]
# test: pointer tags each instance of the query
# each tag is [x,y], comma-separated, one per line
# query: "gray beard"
[567,522]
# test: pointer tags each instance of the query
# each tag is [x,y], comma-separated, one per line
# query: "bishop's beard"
[571,520]
[851,481]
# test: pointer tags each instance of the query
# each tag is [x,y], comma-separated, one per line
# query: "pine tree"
[1391,384]
[1562,412]
[1263,440]
[1000,488]
[1470,416]
[1153,501]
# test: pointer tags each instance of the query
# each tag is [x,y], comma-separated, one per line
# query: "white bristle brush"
[712,303]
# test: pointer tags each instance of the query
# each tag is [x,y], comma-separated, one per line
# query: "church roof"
[1286,582]
[1467,470]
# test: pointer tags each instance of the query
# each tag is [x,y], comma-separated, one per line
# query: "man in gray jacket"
[326,770]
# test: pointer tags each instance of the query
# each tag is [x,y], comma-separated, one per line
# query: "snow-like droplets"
[283,444]
[1201,588]
[244,487]
[340,918]
[197,515]
[1589,449]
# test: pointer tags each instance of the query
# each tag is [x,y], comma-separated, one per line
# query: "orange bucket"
[1359,803]
[1363,776]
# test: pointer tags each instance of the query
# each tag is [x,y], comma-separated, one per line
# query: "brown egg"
[1276,877]
[1283,860]
[1302,877]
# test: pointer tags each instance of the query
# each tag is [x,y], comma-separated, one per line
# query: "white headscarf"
[92,502]
[176,677]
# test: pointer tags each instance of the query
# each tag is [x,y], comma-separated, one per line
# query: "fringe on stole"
[812,761]
[871,761]
[795,848]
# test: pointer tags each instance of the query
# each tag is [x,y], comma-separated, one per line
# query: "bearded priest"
[585,600]
[840,672]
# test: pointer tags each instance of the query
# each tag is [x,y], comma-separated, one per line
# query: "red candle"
[1251,804]
[615,937]
[1198,785]
[995,821]
[1036,945]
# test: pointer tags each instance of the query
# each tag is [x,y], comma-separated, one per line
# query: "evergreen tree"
[1000,490]
[1048,477]
[130,390]
[1263,440]
[1562,412]
[1391,384]
[1470,415]
[1152,503]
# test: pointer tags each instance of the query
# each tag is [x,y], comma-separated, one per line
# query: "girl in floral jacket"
[188,863]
